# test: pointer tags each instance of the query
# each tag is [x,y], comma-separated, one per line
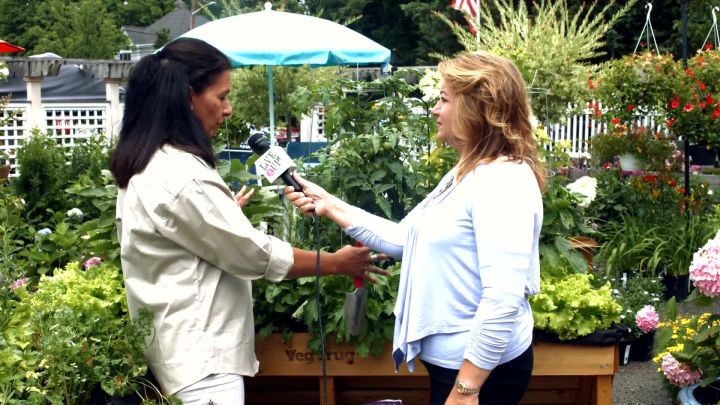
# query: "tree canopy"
[410,28]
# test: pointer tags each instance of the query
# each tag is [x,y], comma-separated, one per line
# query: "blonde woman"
[470,249]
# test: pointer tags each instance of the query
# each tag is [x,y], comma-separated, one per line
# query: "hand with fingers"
[242,197]
[312,200]
[358,262]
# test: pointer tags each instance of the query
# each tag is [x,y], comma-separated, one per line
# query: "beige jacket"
[188,254]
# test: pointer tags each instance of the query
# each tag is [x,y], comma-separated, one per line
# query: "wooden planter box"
[292,373]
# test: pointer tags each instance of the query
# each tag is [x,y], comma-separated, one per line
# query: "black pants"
[505,386]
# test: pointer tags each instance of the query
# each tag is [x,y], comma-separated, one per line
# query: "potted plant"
[570,307]
[689,354]
[639,297]
[636,147]
[693,109]
[627,90]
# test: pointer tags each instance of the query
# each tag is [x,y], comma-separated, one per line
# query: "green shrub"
[89,157]
[43,177]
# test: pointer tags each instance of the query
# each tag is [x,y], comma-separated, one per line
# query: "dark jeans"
[505,386]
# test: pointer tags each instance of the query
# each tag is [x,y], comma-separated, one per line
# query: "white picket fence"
[578,129]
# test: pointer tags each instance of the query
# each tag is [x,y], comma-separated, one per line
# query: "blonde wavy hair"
[491,112]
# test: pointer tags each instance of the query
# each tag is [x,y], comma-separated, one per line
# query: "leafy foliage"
[76,28]
[633,292]
[551,46]
[562,218]
[75,25]
[295,90]
[78,333]
[571,307]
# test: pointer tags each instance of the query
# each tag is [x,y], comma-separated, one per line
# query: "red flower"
[710,100]
[670,122]
[674,104]
[703,87]
[673,183]
[688,107]
[690,72]
[607,165]
[716,113]
[631,107]
[682,190]
[615,121]
[703,105]
[591,85]
[708,46]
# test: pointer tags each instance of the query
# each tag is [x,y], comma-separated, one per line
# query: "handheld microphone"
[273,163]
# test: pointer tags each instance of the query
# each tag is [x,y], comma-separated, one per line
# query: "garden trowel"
[355,307]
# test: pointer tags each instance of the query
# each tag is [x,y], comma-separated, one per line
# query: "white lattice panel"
[68,123]
[13,130]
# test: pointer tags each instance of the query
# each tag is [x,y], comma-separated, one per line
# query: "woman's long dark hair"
[158,109]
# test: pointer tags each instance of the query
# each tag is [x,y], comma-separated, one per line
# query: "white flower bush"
[430,85]
[586,187]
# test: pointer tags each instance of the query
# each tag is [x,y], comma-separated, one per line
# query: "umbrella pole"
[271,98]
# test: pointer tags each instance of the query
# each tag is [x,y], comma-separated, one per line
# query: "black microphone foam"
[259,145]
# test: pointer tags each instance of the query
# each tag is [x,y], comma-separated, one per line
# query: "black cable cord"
[319,310]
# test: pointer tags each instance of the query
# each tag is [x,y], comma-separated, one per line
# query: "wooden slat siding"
[563,374]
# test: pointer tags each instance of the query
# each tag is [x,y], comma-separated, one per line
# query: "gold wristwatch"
[464,389]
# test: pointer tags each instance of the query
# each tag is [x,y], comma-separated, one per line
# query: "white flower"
[429,84]
[586,186]
[710,192]
[44,232]
[75,213]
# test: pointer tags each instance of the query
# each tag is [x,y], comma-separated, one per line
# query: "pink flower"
[705,268]
[679,374]
[647,319]
[93,261]
[19,283]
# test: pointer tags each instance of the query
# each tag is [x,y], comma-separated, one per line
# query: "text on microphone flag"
[273,163]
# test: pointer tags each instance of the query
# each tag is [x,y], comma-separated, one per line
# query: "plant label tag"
[626,355]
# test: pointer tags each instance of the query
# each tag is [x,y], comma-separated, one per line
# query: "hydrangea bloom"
[679,374]
[44,232]
[586,186]
[93,261]
[647,319]
[705,268]
[74,213]
[19,283]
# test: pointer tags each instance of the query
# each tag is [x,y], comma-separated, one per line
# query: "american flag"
[469,6]
[472,7]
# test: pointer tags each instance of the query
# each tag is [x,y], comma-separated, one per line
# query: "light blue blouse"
[469,261]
